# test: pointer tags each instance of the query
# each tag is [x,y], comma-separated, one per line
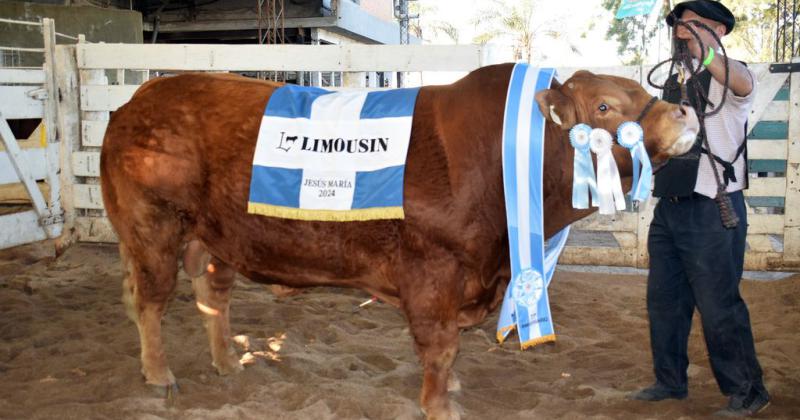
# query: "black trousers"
[696,262]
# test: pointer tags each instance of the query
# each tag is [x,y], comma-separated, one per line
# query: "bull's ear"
[557,107]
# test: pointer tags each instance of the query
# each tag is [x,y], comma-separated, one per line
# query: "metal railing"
[787,30]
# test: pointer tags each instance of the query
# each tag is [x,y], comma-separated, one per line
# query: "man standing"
[695,261]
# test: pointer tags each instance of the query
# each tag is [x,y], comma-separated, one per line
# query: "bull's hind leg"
[431,298]
[213,293]
[147,288]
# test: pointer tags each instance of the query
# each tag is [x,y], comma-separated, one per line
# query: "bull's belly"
[361,255]
[305,254]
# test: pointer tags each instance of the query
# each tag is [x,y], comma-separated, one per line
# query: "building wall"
[98,24]
[382,9]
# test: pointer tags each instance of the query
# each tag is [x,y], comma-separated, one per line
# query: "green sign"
[635,8]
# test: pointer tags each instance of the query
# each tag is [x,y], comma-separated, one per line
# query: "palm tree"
[426,29]
[512,19]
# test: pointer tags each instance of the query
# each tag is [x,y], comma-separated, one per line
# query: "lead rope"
[684,60]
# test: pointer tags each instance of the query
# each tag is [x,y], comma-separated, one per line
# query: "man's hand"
[739,78]
[692,42]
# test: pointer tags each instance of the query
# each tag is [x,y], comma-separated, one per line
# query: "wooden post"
[351,79]
[94,226]
[791,233]
[392,78]
[23,172]
[315,77]
[69,137]
[643,219]
[54,223]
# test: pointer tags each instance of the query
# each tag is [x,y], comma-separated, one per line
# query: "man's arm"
[739,79]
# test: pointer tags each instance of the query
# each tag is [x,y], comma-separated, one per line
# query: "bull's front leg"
[431,297]
[213,292]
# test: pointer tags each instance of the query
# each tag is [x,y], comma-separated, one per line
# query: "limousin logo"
[334,145]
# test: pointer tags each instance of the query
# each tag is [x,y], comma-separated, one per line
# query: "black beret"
[708,9]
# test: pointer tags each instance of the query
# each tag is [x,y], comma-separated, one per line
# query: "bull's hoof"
[229,365]
[168,392]
[159,378]
[453,384]
[446,411]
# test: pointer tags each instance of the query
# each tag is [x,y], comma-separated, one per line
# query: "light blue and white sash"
[526,307]
[335,156]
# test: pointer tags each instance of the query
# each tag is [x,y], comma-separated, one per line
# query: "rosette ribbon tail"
[641,184]
[631,136]
[583,180]
[609,185]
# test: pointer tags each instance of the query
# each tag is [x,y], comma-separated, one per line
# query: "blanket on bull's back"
[334,156]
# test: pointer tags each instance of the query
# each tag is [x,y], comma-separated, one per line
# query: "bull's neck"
[473,122]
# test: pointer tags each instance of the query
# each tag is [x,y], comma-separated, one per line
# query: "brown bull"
[176,165]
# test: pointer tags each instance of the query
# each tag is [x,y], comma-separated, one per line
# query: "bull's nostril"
[685,103]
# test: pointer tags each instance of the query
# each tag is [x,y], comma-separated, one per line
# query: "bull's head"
[607,101]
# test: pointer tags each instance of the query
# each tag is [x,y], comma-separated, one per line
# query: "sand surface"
[67,350]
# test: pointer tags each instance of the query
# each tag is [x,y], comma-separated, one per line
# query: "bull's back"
[184,146]
[160,140]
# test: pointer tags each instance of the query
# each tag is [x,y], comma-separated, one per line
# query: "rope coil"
[682,58]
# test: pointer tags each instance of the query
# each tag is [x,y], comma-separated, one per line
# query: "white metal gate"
[29,93]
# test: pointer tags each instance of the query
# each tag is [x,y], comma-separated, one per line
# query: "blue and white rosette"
[583,178]
[631,136]
[609,185]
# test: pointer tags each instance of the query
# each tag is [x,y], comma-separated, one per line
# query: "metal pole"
[401,12]
[794,28]
[787,27]
[259,5]
[777,29]
[20,22]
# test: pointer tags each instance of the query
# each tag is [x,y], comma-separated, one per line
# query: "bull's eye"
[603,108]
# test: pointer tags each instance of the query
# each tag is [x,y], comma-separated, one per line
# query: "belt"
[692,197]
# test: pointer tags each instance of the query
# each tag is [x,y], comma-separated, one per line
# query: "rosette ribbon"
[583,179]
[631,136]
[609,186]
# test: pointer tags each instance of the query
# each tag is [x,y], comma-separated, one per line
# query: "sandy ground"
[68,351]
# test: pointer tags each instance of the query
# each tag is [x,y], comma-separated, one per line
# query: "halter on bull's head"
[606,102]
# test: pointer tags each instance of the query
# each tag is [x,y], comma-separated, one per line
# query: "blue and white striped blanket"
[335,156]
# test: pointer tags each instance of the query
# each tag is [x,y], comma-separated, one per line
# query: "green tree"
[752,40]
[631,33]
[754,34]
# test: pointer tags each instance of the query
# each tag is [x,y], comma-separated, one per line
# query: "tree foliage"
[632,34]
[512,19]
[429,29]
[756,25]
[753,38]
